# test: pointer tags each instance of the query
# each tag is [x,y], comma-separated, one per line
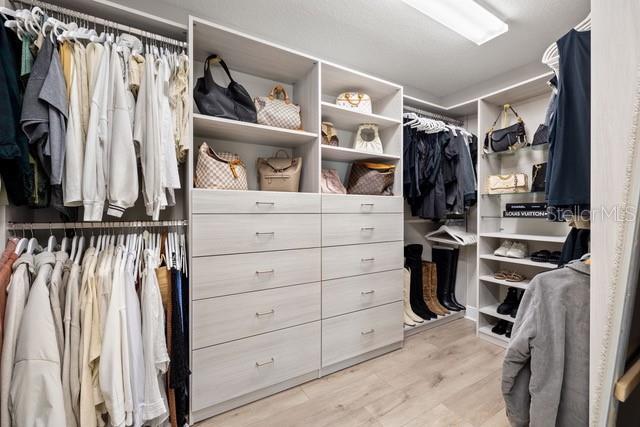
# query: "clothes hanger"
[51,243]
[74,244]
[22,244]
[33,244]
[78,258]
[64,245]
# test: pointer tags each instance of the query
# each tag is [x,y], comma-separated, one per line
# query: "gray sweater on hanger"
[545,375]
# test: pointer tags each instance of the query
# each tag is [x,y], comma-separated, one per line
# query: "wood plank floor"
[445,376]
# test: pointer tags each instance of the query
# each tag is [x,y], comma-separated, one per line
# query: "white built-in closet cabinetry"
[287,287]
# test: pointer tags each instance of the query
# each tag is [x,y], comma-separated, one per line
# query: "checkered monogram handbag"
[220,171]
[371,178]
[277,110]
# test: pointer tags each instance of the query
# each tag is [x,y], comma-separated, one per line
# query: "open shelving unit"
[386,100]
[530,99]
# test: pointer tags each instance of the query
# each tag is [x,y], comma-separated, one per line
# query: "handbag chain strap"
[504,114]
[347,96]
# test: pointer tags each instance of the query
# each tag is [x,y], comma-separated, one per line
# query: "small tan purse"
[280,173]
[277,110]
[511,183]
[220,171]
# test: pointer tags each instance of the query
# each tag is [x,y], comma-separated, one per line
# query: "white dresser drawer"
[222,319]
[228,234]
[351,335]
[353,260]
[340,296]
[352,203]
[353,229]
[220,275]
[230,370]
[221,201]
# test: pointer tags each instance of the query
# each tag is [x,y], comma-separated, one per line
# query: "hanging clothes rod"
[434,116]
[98,21]
[18,226]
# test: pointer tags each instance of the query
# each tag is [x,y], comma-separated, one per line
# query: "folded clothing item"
[541,256]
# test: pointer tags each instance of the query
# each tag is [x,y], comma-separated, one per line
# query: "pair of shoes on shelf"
[503,328]
[511,303]
[509,276]
[546,256]
[511,249]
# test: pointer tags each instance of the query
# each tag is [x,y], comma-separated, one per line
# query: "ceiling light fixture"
[465,17]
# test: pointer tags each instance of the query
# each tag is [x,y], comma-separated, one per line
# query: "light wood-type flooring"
[445,376]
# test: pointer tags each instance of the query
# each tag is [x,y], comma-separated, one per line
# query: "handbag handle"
[279,90]
[347,96]
[207,68]
[505,110]
[286,155]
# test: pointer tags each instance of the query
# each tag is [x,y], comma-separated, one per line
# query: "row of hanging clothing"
[92,119]
[95,331]
[440,178]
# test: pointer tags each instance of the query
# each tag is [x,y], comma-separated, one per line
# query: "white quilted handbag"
[368,139]
[357,101]
[220,171]
[276,111]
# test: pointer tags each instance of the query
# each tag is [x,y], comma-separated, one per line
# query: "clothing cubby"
[416,229]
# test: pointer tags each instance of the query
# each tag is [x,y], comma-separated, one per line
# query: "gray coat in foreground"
[545,375]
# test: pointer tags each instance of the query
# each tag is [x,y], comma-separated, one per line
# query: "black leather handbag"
[512,137]
[538,177]
[231,102]
[541,136]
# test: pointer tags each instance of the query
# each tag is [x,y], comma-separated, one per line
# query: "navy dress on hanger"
[569,170]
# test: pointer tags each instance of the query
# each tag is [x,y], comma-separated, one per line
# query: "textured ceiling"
[391,40]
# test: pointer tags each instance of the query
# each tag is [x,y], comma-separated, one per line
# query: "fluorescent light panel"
[465,17]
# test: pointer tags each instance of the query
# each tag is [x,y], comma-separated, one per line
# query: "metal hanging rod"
[434,116]
[18,226]
[99,21]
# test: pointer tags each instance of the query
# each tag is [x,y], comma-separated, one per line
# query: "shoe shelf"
[519,261]
[492,310]
[490,279]
[526,237]
[342,154]
[498,339]
[235,130]
[428,324]
[344,118]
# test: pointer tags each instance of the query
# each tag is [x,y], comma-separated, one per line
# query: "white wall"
[615,60]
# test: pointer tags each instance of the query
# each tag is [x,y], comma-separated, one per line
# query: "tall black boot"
[454,277]
[413,261]
[443,257]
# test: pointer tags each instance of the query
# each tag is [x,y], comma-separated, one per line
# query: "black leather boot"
[510,302]
[500,328]
[454,277]
[413,261]
[443,257]
[507,332]
[514,312]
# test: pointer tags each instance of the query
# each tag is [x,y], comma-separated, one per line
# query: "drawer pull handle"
[266,203]
[368,292]
[258,272]
[367,204]
[270,362]
[367,228]
[266,233]
[266,313]
[367,259]
[370,331]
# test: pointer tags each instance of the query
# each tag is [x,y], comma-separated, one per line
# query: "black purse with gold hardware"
[512,137]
